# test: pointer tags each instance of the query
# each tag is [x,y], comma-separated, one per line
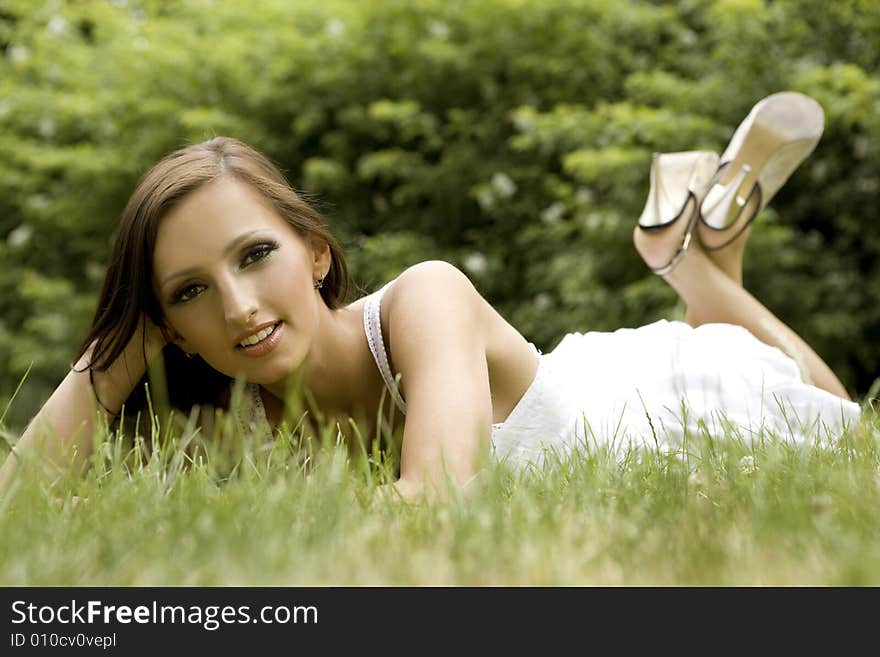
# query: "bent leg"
[712,296]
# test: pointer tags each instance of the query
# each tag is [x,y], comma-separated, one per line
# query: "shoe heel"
[722,204]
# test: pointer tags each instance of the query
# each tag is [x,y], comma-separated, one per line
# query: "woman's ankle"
[730,258]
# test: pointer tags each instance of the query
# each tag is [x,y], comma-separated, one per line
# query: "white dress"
[653,386]
[662,384]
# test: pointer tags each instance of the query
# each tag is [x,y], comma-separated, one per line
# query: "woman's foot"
[766,148]
[661,250]
[730,259]
[655,248]
[678,183]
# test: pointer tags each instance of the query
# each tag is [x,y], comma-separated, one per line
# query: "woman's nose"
[239,304]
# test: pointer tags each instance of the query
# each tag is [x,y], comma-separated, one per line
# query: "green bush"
[510,138]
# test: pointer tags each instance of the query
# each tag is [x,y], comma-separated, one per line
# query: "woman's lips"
[265,345]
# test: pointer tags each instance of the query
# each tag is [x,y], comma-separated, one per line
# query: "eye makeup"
[252,255]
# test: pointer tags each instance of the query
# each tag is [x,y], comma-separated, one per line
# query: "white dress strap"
[373,329]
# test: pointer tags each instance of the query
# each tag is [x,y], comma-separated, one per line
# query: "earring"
[189,355]
[319,283]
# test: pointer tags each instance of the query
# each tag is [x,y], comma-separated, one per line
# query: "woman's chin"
[276,374]
[276,369]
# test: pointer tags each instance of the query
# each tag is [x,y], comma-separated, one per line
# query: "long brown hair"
[127,292]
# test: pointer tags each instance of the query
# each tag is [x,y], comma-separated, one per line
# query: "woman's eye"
[259,252]
[254,255]
[185,294]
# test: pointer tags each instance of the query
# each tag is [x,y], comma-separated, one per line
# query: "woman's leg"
[730,259]
[713,294]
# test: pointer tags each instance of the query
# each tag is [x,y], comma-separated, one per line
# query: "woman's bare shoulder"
[430,277]
[426,285]
[434,308]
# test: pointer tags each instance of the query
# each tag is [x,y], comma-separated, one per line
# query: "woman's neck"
[338,364]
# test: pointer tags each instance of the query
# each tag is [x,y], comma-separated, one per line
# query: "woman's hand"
[413,492]
[403,490]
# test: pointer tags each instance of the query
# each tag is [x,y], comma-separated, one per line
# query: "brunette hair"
[127,293]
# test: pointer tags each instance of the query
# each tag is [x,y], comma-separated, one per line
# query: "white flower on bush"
[543,301]
[46,128]
[20,235]
[57,26]
[18,53]
[475,263]
[335,28]
[38,201]
[524,119]
[688,37]
[552,214]
[503,185]
[584,195]
[438,29]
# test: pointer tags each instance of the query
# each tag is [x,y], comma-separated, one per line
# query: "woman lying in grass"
[222,267]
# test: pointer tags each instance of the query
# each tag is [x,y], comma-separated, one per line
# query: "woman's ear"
[173,336]
[321,257]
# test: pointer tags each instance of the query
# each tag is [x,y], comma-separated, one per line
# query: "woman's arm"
[63,428]
[437,327]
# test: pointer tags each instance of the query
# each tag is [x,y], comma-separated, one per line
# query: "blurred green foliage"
[512,138]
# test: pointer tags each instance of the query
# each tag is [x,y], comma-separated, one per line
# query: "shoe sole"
[777,135]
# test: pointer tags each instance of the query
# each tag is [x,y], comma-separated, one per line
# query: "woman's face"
[227,266]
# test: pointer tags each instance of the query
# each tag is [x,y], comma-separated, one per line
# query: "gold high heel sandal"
[777,135]
[678,183]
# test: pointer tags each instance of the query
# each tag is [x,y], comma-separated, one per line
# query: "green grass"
[255,514]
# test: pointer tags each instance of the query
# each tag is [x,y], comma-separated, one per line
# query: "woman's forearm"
[61,433]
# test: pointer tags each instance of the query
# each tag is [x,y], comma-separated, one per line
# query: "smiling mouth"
[265,337]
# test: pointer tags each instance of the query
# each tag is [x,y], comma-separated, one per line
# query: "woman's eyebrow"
[229,247]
